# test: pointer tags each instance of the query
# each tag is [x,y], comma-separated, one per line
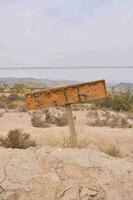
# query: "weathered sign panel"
[62,96]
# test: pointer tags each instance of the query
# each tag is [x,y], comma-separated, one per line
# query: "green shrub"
[18,88]
[116,101]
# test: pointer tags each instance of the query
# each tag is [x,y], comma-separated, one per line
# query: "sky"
[67,33]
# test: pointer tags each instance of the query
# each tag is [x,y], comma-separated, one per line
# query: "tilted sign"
[62,96]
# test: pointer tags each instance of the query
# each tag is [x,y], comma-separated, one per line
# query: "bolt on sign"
[65,96]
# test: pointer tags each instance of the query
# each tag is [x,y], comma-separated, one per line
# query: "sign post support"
[73,139]
[65,96]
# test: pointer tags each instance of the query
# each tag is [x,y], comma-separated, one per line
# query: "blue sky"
[67,32]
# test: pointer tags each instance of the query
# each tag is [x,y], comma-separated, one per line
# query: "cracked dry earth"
[54,174]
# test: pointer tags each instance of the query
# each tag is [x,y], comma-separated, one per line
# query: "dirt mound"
[56,174]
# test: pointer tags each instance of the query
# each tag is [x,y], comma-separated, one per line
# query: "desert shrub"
[13,101]
[16,139]
[44,118]
[4,101]
[21,107]
[38,122]
[111,150]
[2,90]
[107,119]
[13,97]
[116,102]
[38,119]
[11,105]
[113,123]
[58,118]
[18,88]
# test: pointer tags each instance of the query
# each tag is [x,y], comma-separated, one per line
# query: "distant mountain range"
[124,86]
[34,83]
[41,83]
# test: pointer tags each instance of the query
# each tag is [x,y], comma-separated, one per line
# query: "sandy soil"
[122,138]
[54,173]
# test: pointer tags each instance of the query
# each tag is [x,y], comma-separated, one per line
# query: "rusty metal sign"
[62,96]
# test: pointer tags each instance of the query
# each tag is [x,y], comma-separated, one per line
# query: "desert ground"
[100,168]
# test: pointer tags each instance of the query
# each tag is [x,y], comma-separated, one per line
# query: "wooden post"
[73,138]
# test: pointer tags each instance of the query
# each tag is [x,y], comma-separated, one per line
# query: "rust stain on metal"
[66,95]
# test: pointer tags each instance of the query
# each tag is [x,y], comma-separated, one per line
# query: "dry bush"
[3,101]
[12,102]
[13,97]
[38,119]
[47,117]
[58,118]
[16,139]
[107,119]
[21,107]
[83,142]
[110,149]
[11,105]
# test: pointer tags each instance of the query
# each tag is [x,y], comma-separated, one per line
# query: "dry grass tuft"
[110,149]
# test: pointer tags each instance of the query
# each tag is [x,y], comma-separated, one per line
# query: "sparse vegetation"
[107,119]
[58,118]
[21,107]
[13,97]
[18,88]
[16,139]
[45,118]
[117,101]
[110,149]
[38,120]
[13,102]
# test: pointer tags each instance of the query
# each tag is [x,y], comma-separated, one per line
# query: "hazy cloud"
[66,32]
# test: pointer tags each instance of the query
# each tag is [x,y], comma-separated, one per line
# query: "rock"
[49,174]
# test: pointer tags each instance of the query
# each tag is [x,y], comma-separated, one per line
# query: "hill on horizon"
[124,86]
[34,82]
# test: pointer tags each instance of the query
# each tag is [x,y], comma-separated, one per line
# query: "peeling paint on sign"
[62,96]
